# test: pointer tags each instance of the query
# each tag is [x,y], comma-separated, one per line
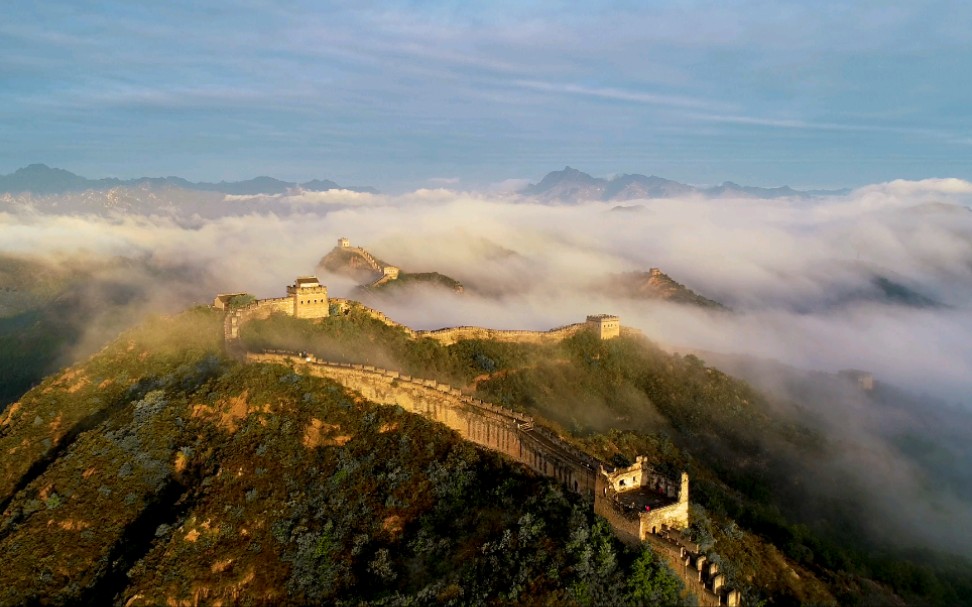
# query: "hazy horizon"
[798,273]
[403,95]
[432,118]
[507,184]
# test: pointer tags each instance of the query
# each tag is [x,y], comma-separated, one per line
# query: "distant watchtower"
[310,297]
[344,243]
[863,379]
[606,326]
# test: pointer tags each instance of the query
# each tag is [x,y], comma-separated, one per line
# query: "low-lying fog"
[799,274]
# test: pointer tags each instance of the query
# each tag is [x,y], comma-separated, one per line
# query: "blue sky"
[408,94]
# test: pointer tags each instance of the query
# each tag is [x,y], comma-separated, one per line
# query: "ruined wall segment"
[222,300]
[639,493]
[626,523]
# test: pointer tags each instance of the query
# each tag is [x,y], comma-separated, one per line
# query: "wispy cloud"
[443,180]
[813,125]
[496,87]
[616,94]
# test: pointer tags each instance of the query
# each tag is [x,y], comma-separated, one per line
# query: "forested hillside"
[160,472]
[767,485]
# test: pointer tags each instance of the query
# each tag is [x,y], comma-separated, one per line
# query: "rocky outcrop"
[374,274]
[656,285]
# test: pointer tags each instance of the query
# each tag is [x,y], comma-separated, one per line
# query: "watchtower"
[344,243]
[863,379]
[606,326]
[310,297]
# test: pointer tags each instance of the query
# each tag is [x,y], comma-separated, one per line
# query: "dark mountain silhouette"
[571,185]
[893,292]
[42,179]
[257,185]
[627,187]
[734,190]
[568,185]
[320,185]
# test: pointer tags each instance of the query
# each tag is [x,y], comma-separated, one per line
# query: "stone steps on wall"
[377,267]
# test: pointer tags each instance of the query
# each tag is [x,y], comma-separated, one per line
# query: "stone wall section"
[385,273]
[369,259]
[451,335]
[262,309]
[491,426]
[513,434]
[345,306]
[701,576]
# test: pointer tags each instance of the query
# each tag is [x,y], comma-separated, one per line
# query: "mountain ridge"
[572,185]
[566,185]
[656,285]
[41,179]
[377,275]
[261,482]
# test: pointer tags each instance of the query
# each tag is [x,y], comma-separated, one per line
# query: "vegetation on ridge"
[783,540]
[161,472]
[352,263]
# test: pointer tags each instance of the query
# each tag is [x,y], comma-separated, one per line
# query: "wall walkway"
[498,429]
[493,427]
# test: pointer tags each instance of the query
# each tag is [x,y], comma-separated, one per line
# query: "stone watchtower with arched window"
[310,297]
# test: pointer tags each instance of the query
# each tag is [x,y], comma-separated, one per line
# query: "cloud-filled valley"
[878,279]
[800,275]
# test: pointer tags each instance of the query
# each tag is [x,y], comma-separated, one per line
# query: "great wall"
[641,505]
[385,272]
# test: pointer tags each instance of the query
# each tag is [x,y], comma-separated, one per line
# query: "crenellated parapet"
[642,505]
[646,499]
[491,426]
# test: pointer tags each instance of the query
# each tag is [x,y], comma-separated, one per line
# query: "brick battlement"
[503,430]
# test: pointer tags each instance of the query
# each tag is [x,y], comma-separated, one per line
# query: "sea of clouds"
[797,273]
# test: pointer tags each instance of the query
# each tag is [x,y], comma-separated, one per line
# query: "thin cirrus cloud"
[489,92]
[616,94]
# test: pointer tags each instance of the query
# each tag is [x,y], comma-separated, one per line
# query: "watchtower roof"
[593,317]
[307,281]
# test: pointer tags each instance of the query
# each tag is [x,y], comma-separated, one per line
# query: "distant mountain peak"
[656,285]
[319,185]
[572,185]
[567,185]
[39,178]
[35,167]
